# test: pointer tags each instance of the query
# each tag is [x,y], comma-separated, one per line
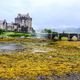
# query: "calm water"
[4,46]
[41,35]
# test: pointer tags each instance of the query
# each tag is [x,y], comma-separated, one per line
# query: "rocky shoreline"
[71,76]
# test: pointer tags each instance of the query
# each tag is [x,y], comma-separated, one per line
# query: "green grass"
[15,34]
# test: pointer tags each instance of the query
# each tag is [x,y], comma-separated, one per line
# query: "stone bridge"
[68,35]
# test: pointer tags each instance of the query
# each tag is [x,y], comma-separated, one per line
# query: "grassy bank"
[40,58]
[14,34]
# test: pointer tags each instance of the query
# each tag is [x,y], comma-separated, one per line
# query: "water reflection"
[40,35]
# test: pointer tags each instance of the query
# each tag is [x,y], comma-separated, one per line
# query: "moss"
[60,58]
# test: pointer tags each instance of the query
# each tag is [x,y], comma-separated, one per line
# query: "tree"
[1,31]
[50,31]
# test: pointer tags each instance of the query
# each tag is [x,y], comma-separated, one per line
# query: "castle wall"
[25,21]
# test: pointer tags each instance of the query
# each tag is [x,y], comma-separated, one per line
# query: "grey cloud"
[43,12]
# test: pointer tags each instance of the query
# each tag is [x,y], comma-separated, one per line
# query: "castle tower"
[25,22]
[5,24]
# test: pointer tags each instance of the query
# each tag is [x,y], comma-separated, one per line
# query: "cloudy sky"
[45,13]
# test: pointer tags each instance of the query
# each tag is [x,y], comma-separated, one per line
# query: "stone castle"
[23,23]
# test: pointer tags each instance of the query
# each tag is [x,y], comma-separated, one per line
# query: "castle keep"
[23,23]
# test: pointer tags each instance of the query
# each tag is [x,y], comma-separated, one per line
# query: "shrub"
[74,38]
[1,31]
[64,38]
[56,38]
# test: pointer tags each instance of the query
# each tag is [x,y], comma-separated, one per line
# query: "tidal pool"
[8,46]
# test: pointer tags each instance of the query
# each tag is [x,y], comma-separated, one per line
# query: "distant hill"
[69,30]
[66,30]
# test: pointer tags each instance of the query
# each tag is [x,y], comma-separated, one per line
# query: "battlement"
[23,15]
